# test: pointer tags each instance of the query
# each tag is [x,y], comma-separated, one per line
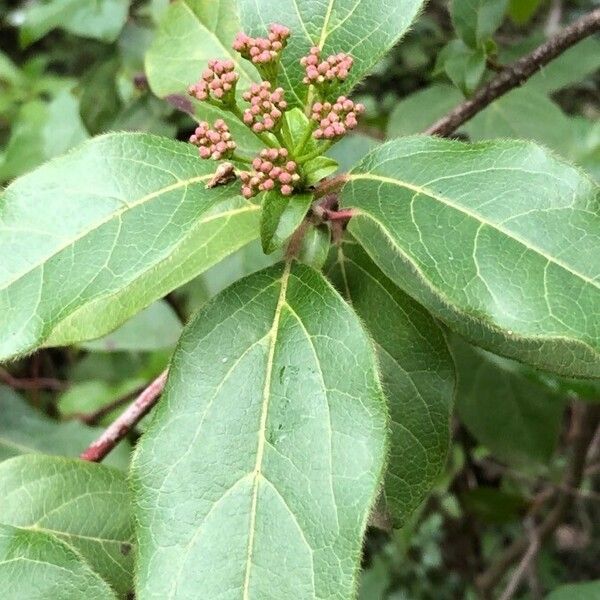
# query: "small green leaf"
[266,451]
[315,247]
[35,565]
[417,376]
[494,505]
[96,235]
[24,430]
[497,239]
[350,149]
[464,66]
[521,11]
[319,168]
[589,590]
[365,29]
[83,504]
[516,418]
[86,18]
[154,328]
[476,21]
[280,217]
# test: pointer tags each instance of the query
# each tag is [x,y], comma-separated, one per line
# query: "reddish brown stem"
[330,186]
[121,426]
[516,74]
[35,383]
[338,215]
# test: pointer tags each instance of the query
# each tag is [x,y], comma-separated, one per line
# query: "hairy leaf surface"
[417,376]
[257,473]
[500,240]
[365,29]
[84,504]
[91,238]
[35,565]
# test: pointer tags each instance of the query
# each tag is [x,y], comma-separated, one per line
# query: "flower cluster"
[266,107]
[215,143]
[334,120]
[262,50]
[218,80]
[334,67]
[271,169]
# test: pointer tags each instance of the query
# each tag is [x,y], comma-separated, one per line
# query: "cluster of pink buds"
[335,67]
[215,143]
[271,170]
[262,50]
[335,119]
[218,80]
[266,107]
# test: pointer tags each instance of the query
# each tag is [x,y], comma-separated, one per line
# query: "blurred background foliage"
[70,69]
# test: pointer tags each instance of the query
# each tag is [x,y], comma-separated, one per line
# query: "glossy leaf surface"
[500,240]
[257,473]
[98,234]
[83,504]
[417,375]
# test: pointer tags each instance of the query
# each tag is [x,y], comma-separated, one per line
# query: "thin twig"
[331,185]
[93,418]
[516,74]
[35,383]
[121,426]
[586,423]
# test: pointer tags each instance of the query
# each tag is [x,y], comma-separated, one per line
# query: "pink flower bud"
[215,143]
[335,120]
[266,107]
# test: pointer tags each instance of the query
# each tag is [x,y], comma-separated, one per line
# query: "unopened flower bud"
[262,50]
[334,68]
[266,107]
[215,143]
[271,170]
[334,120]
[218,81]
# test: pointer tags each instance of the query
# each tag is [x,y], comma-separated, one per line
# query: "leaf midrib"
[448,202]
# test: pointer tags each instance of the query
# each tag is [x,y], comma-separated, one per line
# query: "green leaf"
[521,11]
[37,566]
[415,113]
[96,235]
[280,217]
[191,32]
[86,18]
[266,452]
[476,21]
[516,418]
[83,504]
[315,246]
[42,130]
[417,376]
[154,328]
[23,430]
[590,590]
[463,65]
[319,168]
[350,149]
[499,240]
[365,29]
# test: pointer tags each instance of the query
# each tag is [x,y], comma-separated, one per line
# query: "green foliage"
[297,391]
[475,21]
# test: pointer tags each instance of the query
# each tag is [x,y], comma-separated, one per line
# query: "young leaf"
[24,430]
[516,418]
[280,217]
[37,565]
[87,18]
[365,29]
[83,504]
[463,65]
[256,476]
[315,246]
[498,239]
[417,376]
[96,235]
[475,21]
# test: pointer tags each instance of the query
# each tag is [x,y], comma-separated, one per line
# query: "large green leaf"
[23,430]
[84,504]
[365,29]
[190,33]
[500,240]
[93,237]
[515,417]
[257,474]
[588,590]
[35,565]
[87,18]
[417,376]
[476,20]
